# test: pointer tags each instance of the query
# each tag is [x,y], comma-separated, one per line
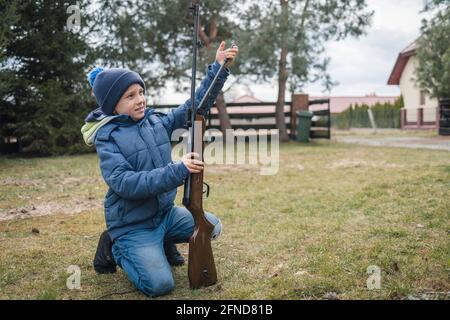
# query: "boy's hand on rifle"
[191,162]
[229,53]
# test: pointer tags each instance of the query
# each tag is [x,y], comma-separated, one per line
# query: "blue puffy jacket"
[136,162]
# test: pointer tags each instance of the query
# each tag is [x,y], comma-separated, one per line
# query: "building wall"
[411,95]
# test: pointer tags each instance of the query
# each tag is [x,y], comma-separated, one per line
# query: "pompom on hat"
[109,85]
[93,74]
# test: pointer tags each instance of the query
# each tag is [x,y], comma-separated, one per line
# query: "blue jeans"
[140,253]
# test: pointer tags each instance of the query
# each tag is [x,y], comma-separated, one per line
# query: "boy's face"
[132,102]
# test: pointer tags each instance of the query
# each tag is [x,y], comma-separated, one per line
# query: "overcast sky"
[361,66]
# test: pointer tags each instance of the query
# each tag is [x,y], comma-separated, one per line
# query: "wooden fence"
[261,115]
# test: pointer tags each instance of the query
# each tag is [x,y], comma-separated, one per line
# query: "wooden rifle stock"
[201,267]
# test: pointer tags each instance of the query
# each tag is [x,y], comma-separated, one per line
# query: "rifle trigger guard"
[207,189]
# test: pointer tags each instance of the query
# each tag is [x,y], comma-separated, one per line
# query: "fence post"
[419,117]
[298,102]
[402,118]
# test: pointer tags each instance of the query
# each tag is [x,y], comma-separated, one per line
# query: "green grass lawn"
[313,229]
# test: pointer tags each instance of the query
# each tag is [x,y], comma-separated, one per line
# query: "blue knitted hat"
[109,85]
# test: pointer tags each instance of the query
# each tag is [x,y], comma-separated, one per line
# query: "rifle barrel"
[187,184]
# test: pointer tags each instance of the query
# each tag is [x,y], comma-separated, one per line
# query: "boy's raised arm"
[176,118]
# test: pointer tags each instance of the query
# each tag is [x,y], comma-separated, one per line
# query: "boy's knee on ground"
[217,225]
[159,287]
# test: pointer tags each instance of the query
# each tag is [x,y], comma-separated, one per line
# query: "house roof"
[402,59]
[337,104]
[246,98]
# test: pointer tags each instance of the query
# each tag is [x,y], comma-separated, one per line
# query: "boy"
[133,144]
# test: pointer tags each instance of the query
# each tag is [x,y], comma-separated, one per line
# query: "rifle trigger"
[207,189]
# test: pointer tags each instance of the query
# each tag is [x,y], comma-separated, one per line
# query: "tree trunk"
[224,119]
[223,114]
[282,77]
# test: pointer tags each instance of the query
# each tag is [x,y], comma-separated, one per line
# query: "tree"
[433,52]
[117,34]
[43,88]
[285,39]
[215,26]
[155,38]
[7,19]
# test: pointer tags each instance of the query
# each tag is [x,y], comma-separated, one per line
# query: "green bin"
[303,125]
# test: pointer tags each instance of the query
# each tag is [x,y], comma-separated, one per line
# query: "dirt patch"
[71,181]
[19,182]
[47,208]
[357,163]
[232,168]
[298,167]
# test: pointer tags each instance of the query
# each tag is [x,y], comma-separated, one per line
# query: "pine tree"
[43,85]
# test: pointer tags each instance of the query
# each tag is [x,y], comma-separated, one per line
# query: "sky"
[360,66]
[363,65]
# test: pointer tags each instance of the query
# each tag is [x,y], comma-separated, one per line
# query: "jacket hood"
[97,119]
[93,122]
[95,115]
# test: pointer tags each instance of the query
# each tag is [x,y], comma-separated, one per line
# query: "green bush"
[386,115]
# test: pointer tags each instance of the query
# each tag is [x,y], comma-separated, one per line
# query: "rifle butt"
[201,267]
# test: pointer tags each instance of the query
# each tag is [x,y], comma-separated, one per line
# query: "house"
[420,111]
